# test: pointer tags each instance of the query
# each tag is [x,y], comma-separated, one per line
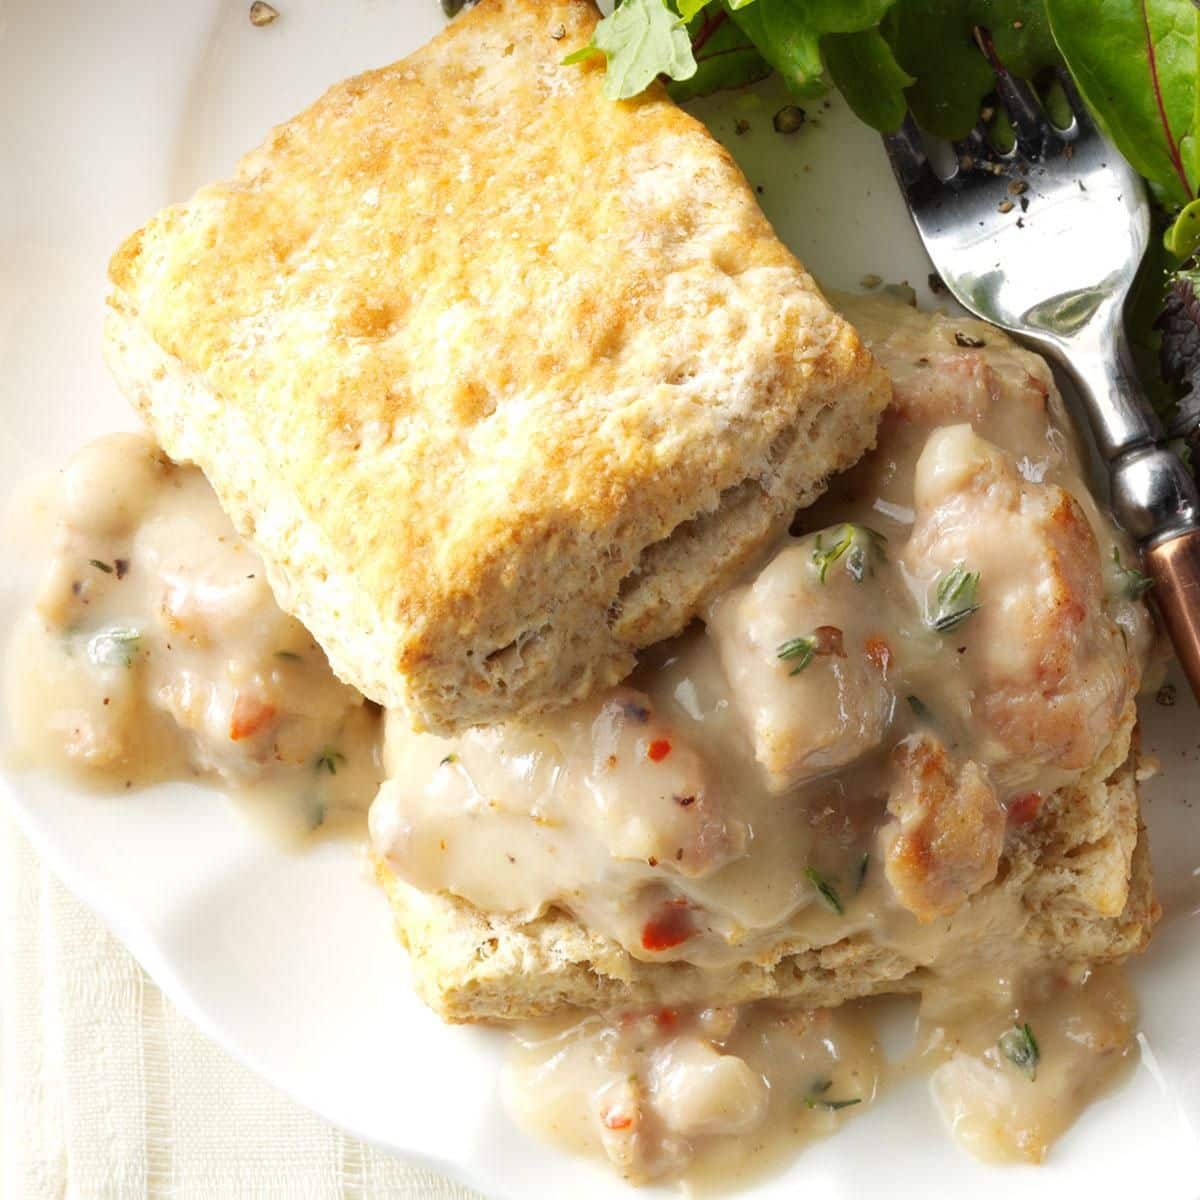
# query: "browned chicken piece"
[947,369]
[945,840]
[1048,669]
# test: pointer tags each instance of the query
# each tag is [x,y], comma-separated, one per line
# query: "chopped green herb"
[288,655]
[799,650]
[1020,1047]
[114,647]
[863,864]
[826,641]
[825,889]
[328,760]
[1128,582]
[100,566]
[816,1094]
[860,545]
[450,758]
[919,709]
[956,591]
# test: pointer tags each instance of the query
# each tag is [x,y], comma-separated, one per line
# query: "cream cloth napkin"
[108,1093]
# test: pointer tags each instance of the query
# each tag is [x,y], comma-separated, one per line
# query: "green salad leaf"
[640,41]
[934,41]
[725,56]
[864,69]
[1135,65]
[1179,327]
[1182,239]
[789,33]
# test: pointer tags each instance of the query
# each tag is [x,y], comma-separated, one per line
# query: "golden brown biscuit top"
[478,319]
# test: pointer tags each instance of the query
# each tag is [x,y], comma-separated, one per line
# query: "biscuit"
[503,380]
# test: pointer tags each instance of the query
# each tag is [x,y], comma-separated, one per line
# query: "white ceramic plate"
[108,111]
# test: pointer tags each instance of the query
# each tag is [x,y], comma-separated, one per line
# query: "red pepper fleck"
[615,1118]
[659,749]
[1023,808]
[250,716]
[878,652]
[667,1018]
[670,926]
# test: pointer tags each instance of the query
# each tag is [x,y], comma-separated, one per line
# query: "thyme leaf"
[816,1094]
[1020,1047]
[861,547]
[956,592]
[1128,582]
[328,760]
[825,889]
[825,640]
[797,650]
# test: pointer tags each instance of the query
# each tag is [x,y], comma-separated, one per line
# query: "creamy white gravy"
[156,651]
[840,747]
[713,1096]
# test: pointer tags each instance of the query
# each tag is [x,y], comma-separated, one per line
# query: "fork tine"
[909,161]
[976,152]
[1084,124]
[1029,121]
[1034,131]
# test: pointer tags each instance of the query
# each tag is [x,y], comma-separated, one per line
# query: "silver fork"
[1044,241]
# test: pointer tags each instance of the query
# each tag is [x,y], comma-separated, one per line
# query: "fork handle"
[1174,565]
[1154,496]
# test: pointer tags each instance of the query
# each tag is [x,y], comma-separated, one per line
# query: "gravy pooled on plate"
[156,650]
